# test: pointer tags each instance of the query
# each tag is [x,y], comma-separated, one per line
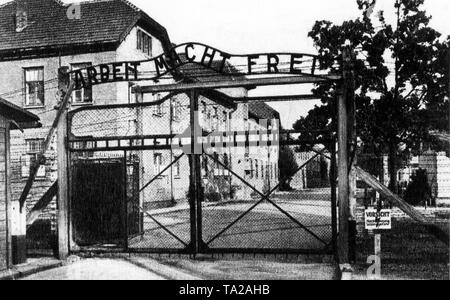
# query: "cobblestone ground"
[98,269]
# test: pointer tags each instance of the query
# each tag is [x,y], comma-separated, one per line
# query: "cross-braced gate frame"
[194,240]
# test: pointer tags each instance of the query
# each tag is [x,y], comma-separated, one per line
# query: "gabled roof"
[200,73]
[18,114]
[102,23]
[261,110]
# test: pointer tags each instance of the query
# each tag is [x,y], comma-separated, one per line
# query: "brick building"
[11,117]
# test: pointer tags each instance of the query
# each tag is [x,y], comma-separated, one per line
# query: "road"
[301,221]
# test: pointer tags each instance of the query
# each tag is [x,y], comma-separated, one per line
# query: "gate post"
[344,215]
[343,160]
[63,192]
[196,194]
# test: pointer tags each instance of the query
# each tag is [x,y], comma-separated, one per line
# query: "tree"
[401,80]
[288,167]
[418,191]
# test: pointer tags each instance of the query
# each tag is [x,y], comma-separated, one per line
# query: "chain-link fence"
[255,193]
[409,250]
[265,196]
[155,177]
[247,208]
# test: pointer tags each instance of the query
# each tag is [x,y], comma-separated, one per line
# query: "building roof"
[443,136]
[200,73]
[103,24]
[261,110]
[18,114]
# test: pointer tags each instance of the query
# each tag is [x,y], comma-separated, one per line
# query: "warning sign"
[378,220]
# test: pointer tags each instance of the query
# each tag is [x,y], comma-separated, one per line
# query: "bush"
[234,190]
[418,191]
[213,197]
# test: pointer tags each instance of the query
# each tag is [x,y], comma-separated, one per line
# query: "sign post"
[378,255]
[377,220]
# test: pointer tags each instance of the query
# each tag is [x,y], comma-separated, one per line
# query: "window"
[226,160]
[157,163]
[177,170]
[82,95]
[205,166]
[216,119]
[158,109]
[216,161]
[251,169]
[139,40]
[144,42]
[176,111]
[34,87]
[34,148]
[204,116]
[245,112]
[210,126]
[225,121]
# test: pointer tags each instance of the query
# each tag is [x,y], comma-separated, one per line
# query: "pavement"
[33,266]
[257,268]
[144,267]
[97,269]
[264,227]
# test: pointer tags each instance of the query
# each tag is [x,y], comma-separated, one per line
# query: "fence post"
[63,194]
[333,176]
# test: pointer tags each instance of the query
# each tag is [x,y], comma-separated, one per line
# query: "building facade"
[8,113]
[37,37]
[314,175]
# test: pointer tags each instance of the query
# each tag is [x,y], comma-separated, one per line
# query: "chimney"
[21,17]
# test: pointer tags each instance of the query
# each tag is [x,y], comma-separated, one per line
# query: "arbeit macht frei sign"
[195,53]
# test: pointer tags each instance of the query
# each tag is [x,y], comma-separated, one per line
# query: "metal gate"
[260,216]
[98,202]
[192,185]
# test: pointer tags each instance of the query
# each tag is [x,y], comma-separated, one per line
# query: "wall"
[128,51]
[314,175]
[11,84]
[11,89]
[3,195]
[437,166]
[243,161]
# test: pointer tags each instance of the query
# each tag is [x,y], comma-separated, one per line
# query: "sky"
[249,26]
[252,26]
